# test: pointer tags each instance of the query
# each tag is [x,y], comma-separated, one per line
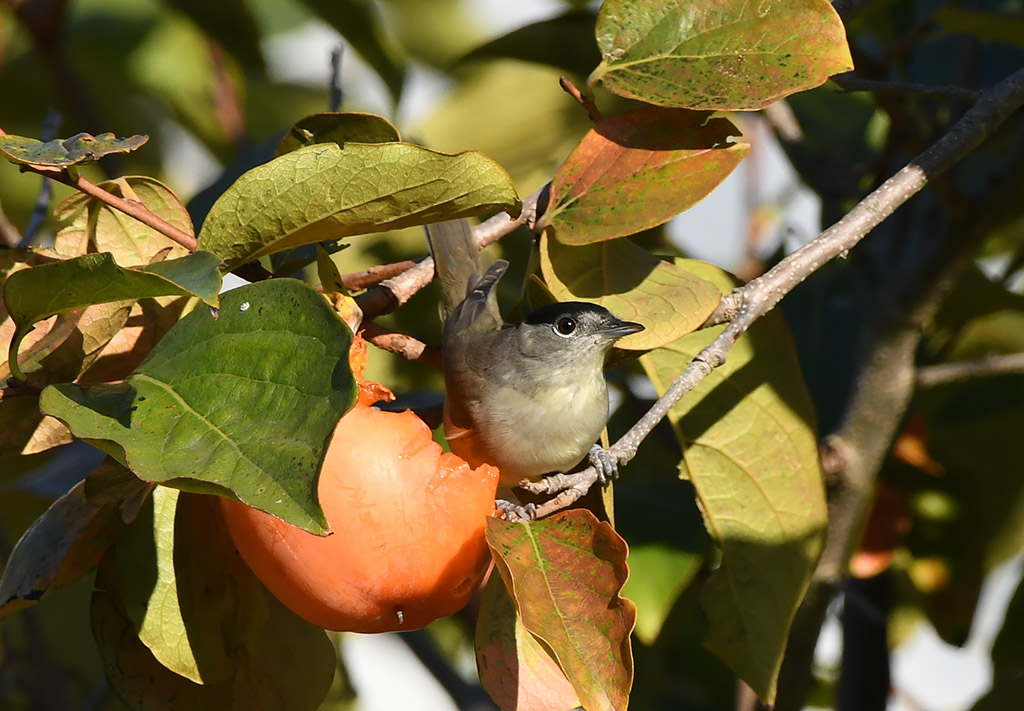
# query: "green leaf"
[230,24]
[60,547]
[175,591]
[63,152]
[358,21]
[241,404]
[514,667]
[565,41]
[751,452]
[340,128]
[565,574]
[668,300]
[720,54]
[999,27]
[637,170]
[326,191]
[35,294]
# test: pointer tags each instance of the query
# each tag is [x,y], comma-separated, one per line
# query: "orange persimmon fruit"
[407,527]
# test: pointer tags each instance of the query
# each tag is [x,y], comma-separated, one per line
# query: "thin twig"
[932,375]
[9,235]
[357,281]
[851,82]
[569,88]
[336,95]
[401,344]
[750,302]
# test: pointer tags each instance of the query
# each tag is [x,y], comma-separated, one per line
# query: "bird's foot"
[605,462]
[515,511]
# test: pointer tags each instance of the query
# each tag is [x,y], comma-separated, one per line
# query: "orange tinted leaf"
[638,170]
[516,670]
[717,54]
[565,573]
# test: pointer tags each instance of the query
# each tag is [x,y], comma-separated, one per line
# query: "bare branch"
[932,375]
[401,344]
[851,82]
[760,296]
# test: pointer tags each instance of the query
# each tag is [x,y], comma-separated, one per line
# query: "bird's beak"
[622,328]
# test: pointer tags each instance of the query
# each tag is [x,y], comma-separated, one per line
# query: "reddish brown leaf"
[516,669]
[565,574]
[638,170]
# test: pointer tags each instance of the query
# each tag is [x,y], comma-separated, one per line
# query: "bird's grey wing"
[467,287]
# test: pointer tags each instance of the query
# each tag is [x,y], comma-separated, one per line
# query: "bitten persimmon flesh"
[407,544]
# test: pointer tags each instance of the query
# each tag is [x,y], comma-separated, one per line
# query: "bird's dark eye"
[565,325]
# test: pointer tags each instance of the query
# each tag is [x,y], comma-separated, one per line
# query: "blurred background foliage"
[217,83]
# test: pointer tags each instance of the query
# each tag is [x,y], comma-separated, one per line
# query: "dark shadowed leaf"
[565,41]
[177,582]
[32,295]
[969,513]
[718,55]
[112,483]
[326,191]
[516,669]
[1000,27]
[62,152]
[60,547]
[638,170]
[358,21]
[631,283]
[230,24]
[750,450]
[241,404]
[565,574]
[337,128]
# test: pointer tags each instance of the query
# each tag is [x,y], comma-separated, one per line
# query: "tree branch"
[401,344]
[748,303]
[851,82]
[932,375]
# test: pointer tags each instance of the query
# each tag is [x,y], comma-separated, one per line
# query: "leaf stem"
[129,207]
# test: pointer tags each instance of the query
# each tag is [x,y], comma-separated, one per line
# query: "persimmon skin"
[407,530]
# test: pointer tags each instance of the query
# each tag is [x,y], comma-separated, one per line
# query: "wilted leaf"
[252,652]
[638,170]
[35,294]
[242,403]
[340,128]
[720,54]
[751,452]
[515,669]
[565,41]
[60,547]
[62,152]
[358,21]
[565,574]
[148,321]
[634,285]
[112,483]
[326,191]
[131,242]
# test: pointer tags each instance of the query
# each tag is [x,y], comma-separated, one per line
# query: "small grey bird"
[530,399]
